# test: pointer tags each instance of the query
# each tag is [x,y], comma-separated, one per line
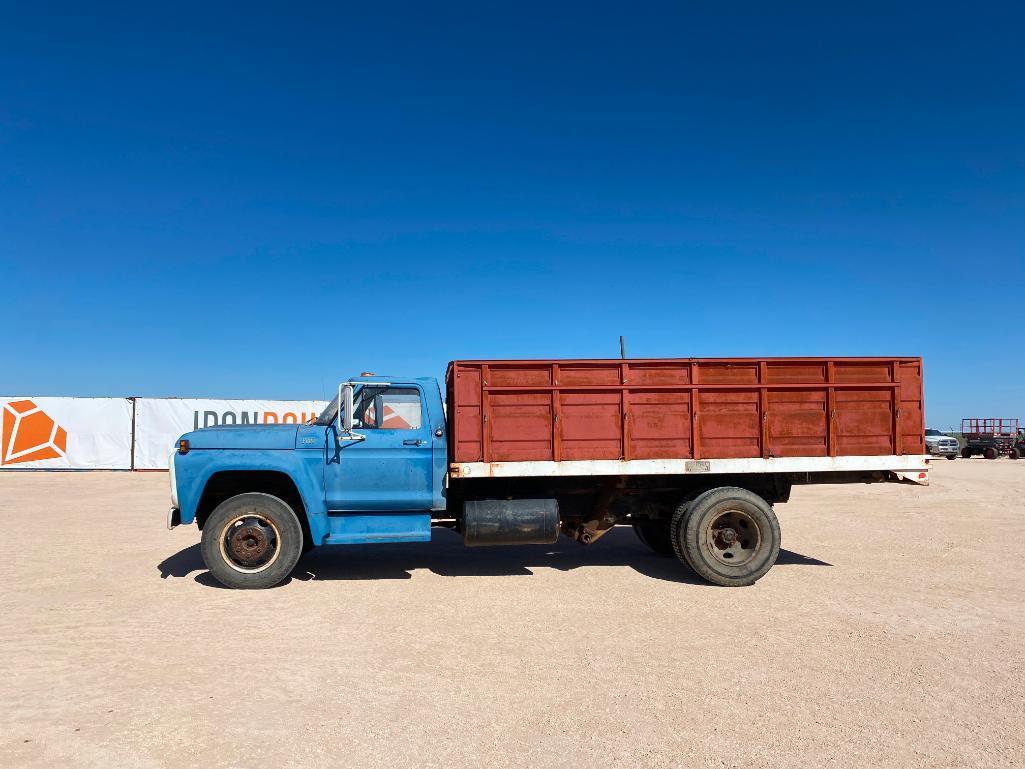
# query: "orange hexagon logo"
[29,433]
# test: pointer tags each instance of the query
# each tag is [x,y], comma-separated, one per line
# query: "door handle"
[412,442]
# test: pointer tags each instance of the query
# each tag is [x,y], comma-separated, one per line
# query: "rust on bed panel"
[684,408]
[830,410]
[465,411]
[556,415]
[763,409]
[912,423]
[625,409]
[895,427]
[695,425]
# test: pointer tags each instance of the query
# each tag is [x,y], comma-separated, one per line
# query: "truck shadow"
[446,556]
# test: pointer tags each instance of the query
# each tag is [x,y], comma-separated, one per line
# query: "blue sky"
[201,200]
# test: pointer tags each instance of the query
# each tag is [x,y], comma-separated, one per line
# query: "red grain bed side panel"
[509,411]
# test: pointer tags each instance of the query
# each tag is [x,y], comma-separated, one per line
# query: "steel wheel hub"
[732,538]
[250,543]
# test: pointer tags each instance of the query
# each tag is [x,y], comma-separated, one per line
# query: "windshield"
[327,416]
[933,432]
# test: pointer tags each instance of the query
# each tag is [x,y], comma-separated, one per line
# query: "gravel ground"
[890,633]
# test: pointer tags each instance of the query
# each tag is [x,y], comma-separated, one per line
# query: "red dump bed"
[708,408]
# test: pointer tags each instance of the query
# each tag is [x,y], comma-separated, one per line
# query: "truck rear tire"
[1014,454]
[990,453]
[729,536]
[251,541]
[655,534]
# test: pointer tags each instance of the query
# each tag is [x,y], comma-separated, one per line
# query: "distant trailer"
[991,436]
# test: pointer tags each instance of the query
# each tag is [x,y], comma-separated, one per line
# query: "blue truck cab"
[261,494]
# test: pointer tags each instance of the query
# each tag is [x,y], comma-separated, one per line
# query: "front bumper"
[941,450]
[174,518]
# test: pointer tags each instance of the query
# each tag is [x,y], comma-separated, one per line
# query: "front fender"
[306,469]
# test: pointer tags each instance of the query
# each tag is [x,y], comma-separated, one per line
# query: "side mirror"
[345,407]
[346,419]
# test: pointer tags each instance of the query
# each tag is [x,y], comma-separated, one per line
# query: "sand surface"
[890,633]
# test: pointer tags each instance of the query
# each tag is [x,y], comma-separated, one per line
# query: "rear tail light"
[183,446]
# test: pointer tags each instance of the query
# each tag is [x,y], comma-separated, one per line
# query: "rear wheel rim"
[250,543]
[732,538]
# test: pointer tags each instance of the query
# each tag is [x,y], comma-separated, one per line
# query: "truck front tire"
[729,536]
[251,541]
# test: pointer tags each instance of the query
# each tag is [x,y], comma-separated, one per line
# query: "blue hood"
[243,437]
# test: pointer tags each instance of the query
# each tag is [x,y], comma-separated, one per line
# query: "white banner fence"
[121,433]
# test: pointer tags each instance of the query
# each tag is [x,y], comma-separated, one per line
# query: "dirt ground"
[890,633]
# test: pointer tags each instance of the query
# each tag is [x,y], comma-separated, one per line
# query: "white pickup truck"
[941,445]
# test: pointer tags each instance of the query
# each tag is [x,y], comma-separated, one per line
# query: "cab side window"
[394,408]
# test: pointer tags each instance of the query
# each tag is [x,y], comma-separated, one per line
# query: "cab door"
[393,468]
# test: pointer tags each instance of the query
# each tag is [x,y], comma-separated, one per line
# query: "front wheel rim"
[732,538]
[250,543]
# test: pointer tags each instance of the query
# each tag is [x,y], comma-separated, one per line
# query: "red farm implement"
[990,437]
